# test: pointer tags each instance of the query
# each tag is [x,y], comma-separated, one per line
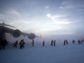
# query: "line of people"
[3,44]
[43,44]
[80,41]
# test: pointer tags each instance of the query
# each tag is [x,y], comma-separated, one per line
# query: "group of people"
[3,44]
[21,44]
[80,41]
[73,41]
[53,42]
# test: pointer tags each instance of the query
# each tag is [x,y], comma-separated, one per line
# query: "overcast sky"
[45,17]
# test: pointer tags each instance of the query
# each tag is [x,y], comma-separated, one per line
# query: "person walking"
[73,41]
[78,41]
[21,44]
[51,42]
[32,43]
[54,42]
[3,44]
[43,43]
[15,44]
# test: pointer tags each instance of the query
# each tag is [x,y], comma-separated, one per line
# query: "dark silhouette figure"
[21,44]
[54,42]
[32,43]
[64,43]
[79,42]
[43,43]
[51,42]
[3,44]
[15,44]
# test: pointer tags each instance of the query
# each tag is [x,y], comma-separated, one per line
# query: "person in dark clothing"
[78,41]
[21,44]
[64,43]
[3,44]
[51,42]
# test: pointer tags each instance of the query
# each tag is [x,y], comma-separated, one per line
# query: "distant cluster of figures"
[4,43]
[22,43]
[53,42]
[66,42]
[73,41]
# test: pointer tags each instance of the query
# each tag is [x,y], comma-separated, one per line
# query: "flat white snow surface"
[70,53]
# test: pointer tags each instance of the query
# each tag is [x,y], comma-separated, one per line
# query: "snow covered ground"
[70,53]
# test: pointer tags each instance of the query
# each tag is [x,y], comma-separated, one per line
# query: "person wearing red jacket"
[54,42]
[43,43]
[21,44]
[73,41]
[15,44]
[32,43]
[66,42]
